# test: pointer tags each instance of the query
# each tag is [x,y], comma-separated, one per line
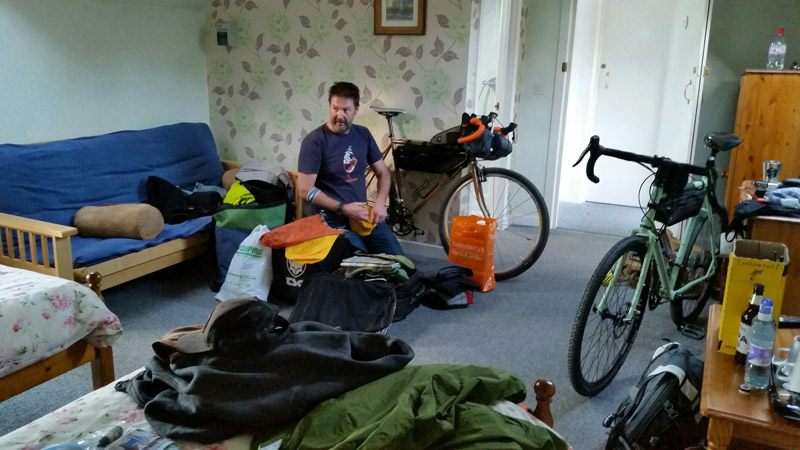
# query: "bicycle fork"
[601,307]
[479,177]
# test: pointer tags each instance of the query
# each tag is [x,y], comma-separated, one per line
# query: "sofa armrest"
[229,164]
[23,240]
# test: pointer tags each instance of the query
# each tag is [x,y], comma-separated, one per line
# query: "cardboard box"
[751,262]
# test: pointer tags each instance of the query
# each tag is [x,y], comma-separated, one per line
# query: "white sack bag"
[250,272]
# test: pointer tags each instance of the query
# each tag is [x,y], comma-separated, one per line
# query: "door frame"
[558,113]
[573,115]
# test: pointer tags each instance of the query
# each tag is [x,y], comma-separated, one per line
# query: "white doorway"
[648,73]
[494,55]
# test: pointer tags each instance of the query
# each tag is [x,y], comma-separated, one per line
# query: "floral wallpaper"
[270,89]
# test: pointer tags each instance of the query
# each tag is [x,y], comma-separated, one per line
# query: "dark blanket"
[210,397]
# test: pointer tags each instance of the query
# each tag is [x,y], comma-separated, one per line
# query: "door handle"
[685,89]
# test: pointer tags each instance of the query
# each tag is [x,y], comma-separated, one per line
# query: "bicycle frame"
[668,276]
[444,179]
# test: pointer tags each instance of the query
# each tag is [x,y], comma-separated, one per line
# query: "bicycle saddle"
[722,141]
[389,112]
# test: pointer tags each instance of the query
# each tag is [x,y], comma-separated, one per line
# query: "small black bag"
[687,204]
[663,410]
[351,304]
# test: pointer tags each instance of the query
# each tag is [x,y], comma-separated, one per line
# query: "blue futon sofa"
[43,185]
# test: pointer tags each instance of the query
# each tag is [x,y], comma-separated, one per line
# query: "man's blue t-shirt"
[340,161]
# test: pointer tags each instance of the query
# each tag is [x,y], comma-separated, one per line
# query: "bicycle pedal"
[693,331]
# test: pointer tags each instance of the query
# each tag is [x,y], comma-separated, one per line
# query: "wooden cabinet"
[768,121]
[787,231]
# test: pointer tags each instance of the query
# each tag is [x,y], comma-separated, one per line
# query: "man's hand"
[356,210]
[378,214]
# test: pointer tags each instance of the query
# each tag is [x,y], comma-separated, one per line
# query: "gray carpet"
[598,218]
[523,325]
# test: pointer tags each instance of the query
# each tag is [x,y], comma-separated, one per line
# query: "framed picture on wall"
[399,16]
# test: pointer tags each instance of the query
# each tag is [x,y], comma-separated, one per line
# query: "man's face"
[342,110]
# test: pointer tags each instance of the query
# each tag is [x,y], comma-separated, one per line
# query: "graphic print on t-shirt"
[350,163]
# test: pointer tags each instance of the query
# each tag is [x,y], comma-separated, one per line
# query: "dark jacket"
[209,397]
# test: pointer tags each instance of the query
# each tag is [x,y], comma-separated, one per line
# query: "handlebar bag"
[501,146]
[688,204]
[480,147]
[428,158]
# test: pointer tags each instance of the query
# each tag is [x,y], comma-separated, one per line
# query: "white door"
[648,87]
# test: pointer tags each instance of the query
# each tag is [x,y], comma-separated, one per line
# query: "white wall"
[72,68]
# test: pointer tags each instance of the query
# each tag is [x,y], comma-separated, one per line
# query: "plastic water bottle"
[777,52]
[762,339]
[746,324]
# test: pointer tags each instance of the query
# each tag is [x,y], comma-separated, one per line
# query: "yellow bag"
[472,245]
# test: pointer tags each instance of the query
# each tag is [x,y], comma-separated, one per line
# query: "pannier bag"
[472,245]
[663,410]
[673,210]
[408,294]
[350,304]
[289,276]
[424,157]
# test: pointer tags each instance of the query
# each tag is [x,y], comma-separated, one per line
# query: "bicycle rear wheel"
[523,223]
[685,309]
[600,340]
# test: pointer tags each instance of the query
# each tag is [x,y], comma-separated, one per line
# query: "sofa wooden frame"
[115,271]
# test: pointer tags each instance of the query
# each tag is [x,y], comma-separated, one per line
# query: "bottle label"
[759,356]
[743,345]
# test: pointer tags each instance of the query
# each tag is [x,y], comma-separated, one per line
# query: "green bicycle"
[644,269]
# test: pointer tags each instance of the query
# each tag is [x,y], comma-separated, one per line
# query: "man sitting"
[332,173]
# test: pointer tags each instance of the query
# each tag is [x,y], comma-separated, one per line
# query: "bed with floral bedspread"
[42,315]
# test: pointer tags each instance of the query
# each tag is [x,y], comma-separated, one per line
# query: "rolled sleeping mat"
[123,220]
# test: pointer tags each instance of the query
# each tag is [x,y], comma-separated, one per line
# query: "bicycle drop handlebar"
[596,150]
[482,122]
[471,137]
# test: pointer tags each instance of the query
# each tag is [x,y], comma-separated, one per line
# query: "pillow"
[228,178]
[124,220]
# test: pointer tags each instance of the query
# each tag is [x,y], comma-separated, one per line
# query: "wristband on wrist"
[312,194]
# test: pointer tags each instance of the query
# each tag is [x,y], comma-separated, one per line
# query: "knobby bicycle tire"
[592,363]
[686,308]
[523,221]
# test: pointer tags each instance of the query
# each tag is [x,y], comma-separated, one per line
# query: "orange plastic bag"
[472,245]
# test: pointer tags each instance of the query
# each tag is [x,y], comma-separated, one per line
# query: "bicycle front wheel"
[601,339]
[685,308]
[523,223]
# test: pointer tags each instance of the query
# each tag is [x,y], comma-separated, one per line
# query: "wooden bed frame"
[80,353]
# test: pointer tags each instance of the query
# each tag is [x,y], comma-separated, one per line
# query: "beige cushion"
[228,178]
[124,220]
